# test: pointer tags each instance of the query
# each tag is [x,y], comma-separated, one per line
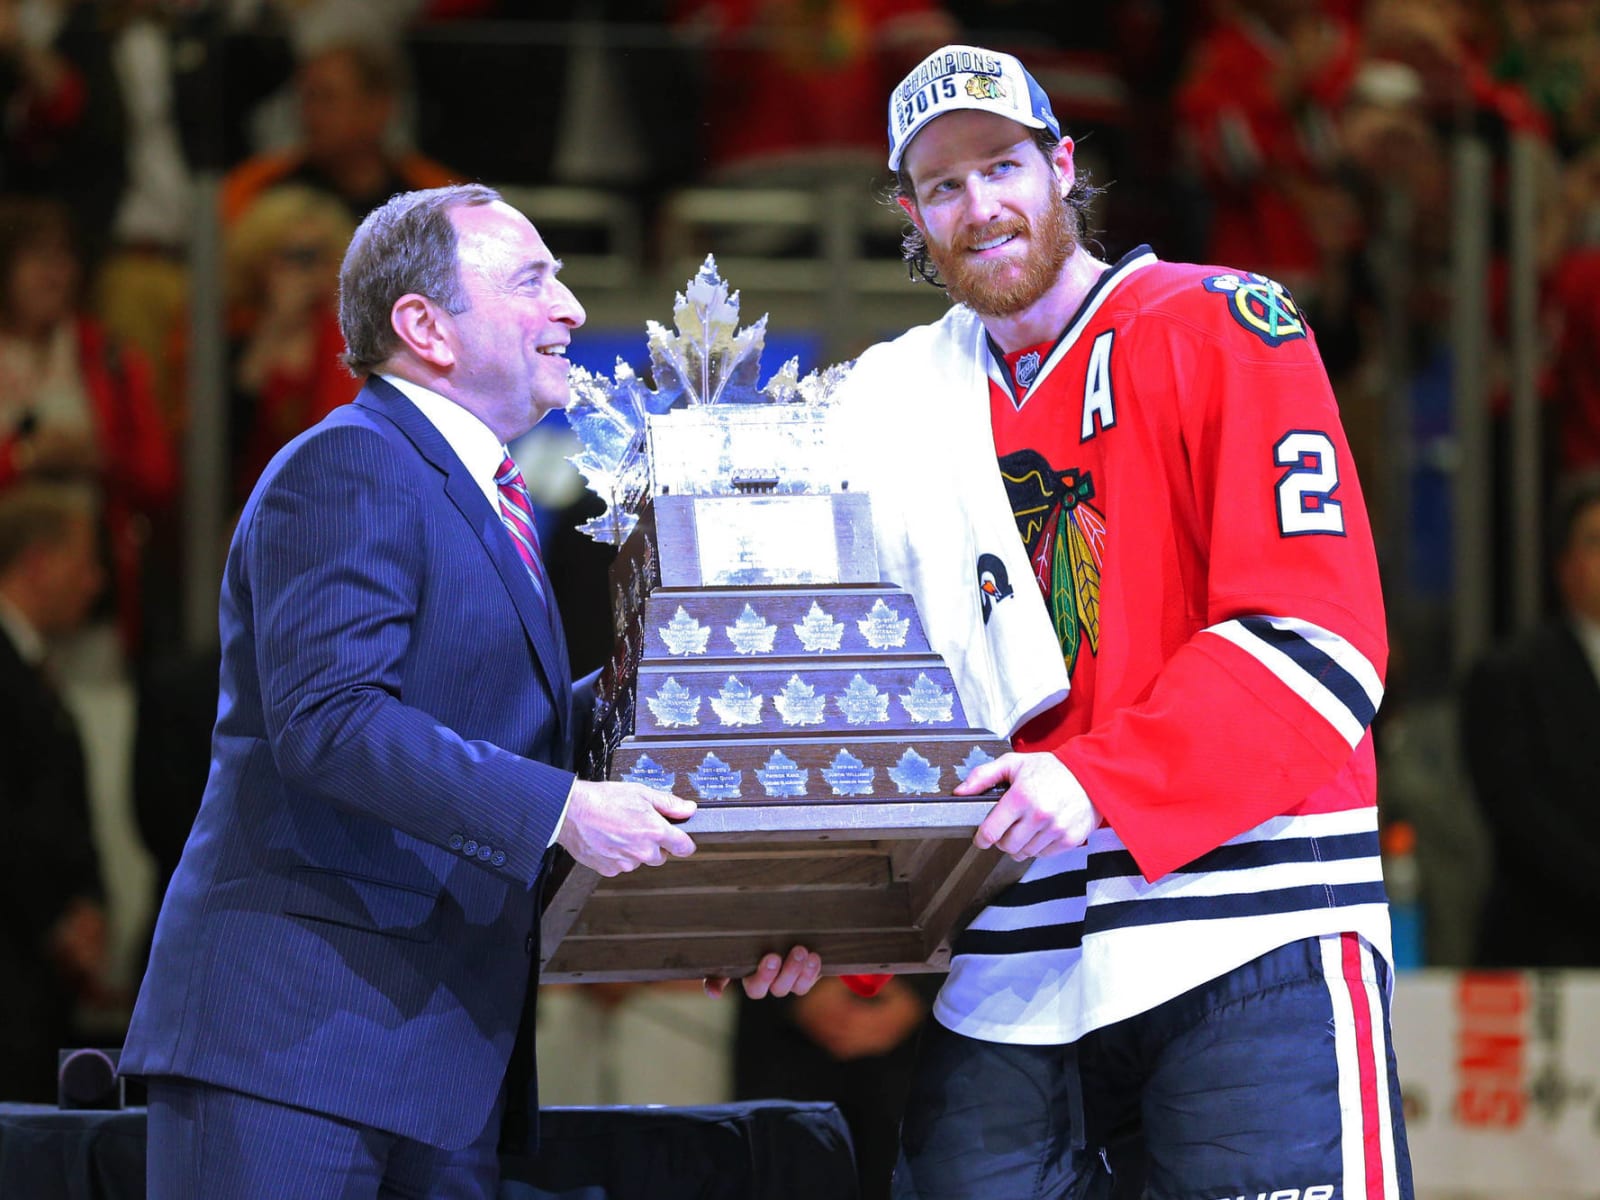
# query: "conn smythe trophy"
[763,669]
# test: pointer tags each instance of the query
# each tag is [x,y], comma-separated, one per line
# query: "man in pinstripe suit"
[341,960]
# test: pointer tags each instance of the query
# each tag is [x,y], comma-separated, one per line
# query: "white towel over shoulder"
[913,428]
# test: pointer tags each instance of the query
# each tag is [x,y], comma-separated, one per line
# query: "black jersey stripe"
[1242,856]
[1316,663]
[1125,914]
[1033,940]
[1104,918]
[1068,885]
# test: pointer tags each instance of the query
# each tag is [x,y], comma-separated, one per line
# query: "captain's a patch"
[1261,305]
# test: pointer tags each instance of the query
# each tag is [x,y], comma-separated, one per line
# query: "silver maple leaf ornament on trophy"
[704,428]
[762,668]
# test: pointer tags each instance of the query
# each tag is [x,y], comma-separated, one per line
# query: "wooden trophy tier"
[773,694]
[821,737]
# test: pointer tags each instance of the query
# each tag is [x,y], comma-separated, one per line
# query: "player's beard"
[1004,287]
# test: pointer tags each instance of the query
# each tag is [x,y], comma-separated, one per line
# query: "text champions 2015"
[930,83]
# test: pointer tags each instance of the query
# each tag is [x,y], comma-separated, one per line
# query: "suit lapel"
[543,628]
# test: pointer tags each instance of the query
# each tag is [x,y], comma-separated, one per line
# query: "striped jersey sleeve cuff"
[1319,667]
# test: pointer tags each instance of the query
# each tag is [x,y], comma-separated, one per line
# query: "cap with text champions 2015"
[965,77]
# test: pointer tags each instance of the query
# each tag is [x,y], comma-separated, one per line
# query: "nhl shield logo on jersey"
[1263,306]
[994,583]
[1065,535]
[1028,369]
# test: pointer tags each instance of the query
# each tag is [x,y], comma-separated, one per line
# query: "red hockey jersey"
[1176,465]
[1178,475]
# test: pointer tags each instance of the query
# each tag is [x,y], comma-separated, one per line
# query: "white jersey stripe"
[1052,912]
[1380,1050]
[1294,677]
[1353,1184]
[1314,661]
[1323,824]
[1371,1164]
[1328,824]
[1364,869]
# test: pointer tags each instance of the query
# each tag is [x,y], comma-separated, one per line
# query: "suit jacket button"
[484,853]
[499,859]
[527,945]
[469,848]
[455,841]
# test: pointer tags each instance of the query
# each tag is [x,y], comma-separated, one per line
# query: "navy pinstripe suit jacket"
[349,928]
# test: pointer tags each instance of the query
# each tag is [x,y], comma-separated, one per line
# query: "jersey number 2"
[1305,490]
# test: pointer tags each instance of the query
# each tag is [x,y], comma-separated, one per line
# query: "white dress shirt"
[28,641]
[1589,638]
[474,442]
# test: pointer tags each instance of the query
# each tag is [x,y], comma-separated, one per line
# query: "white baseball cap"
[965,77]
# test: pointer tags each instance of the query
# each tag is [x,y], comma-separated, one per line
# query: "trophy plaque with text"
[763,669]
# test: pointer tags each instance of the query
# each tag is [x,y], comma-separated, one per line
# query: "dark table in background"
[762,1150]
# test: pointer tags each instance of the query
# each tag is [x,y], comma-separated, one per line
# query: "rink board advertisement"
[1500,1073]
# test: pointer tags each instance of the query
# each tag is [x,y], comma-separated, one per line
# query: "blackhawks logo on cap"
[986,87]
[965,77]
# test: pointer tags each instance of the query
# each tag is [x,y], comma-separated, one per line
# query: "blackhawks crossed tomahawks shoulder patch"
[1261,305]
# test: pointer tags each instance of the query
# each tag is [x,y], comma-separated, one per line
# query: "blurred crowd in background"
[1309,140]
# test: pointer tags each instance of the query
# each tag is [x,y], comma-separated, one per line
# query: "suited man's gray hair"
[406,245]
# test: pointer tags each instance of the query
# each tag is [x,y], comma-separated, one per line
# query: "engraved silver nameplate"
[714,780]
[819,631]
[674,705]
[915,775]
[750,634]
[862,703]
[782,776]
[646,772]
[884,628]
[684,634]
[736,704]
[928,703]
[799,703]
[848,775]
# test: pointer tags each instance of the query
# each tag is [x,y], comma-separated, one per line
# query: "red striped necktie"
[516,510]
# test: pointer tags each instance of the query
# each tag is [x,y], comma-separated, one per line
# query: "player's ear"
[1061,158]
[909,207]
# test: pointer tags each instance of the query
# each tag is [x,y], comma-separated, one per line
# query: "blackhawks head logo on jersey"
[1065,537]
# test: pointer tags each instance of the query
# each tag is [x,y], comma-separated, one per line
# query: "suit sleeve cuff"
[561,818]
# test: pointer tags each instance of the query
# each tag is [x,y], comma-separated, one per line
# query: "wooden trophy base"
[763,670]
[871,887]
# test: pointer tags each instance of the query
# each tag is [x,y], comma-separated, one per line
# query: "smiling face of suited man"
[508,347]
